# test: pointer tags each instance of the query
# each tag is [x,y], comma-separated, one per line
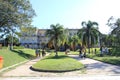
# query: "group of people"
[37,53]
[82,52]
[103,50]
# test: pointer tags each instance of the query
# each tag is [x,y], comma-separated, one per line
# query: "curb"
[54,71]
[1,70]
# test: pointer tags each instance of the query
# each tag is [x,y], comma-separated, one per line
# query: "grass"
[74,53]
[106,58]
[111,59]
[15,56]
[92,50]
[57,64]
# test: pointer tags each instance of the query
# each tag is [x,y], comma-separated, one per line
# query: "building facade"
[29,41]
[38,39]
[72,32]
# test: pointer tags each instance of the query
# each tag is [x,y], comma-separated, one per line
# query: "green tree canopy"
[115,26]
[13,14]
[74,41]
[89,33]
[27,31]
[55,33]
[8,39]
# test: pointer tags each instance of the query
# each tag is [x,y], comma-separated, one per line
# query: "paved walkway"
[93,68]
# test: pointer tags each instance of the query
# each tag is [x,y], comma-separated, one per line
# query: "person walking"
[101,51]
[84,52]
[36,53]
[39,53]
[80,52]
[43,53]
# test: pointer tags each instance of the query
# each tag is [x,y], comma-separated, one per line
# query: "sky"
[70,13]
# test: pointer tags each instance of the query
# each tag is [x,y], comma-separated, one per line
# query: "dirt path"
[93,67]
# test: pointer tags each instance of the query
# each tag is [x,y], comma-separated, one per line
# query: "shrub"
[115,52]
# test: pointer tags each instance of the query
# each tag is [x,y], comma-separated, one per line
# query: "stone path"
[93,68]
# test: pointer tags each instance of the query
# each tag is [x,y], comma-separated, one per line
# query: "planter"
[1,62]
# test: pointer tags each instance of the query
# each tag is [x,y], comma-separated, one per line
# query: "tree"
[27,31]
[8,40]
[14,14]
[74,41]
[56,32]
[115,26]
[64,39]
[89,33]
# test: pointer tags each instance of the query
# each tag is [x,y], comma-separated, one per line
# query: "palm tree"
[55,33]
[89,33]
[74,41]
[64,39]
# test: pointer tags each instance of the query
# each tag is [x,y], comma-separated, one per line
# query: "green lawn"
[15,56]
[92,51]
[74,53]
[58,64]
[106,58]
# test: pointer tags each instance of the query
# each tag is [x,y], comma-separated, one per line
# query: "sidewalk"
[93,68]
[65,78]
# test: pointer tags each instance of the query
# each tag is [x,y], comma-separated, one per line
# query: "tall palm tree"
[89,33]
[55,33]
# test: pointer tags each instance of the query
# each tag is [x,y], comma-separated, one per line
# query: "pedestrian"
[101,51]
[43,53]
[84,55]
[80,52]
[39,53]
[95,50]
[36,52]
[106,50]
[84,51]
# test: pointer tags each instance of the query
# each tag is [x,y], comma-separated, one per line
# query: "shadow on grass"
[23,54]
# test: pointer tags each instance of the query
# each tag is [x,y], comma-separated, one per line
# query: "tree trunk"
[65,45]
[56,47]
[88,42]
[74,46]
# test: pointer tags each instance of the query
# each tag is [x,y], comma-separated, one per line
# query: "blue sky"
[71,13]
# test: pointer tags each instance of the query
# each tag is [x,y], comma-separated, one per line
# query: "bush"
[115,52]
